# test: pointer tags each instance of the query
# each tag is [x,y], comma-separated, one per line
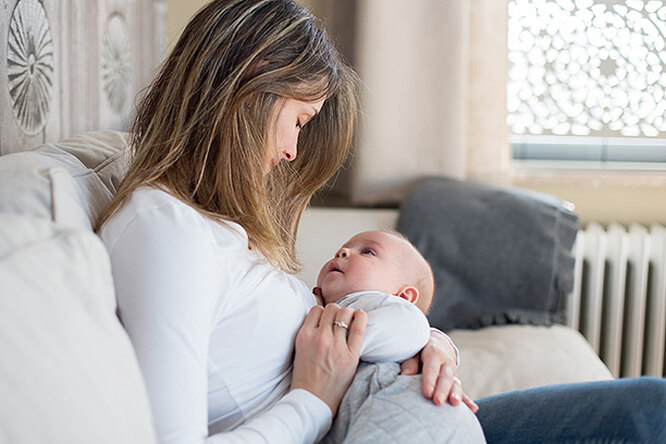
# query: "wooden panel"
[30,74]
[72,66]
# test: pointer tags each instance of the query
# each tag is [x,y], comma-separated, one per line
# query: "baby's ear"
[317,292]
[408,293]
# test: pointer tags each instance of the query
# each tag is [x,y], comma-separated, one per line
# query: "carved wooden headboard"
[70,66]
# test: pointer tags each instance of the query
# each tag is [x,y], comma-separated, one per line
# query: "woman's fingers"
[328,316]
[327,354]
[470,403]
[444,385]
[457,396]
[312,319]
[439,358]
[357,331]
[440,382]
[456,391]
[430,375]
[343,319]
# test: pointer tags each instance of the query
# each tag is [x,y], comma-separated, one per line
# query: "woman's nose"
[289,154]
[342,252]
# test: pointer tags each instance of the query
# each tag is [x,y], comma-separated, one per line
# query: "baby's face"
[373,260]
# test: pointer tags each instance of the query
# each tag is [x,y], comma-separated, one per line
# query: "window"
[587,82]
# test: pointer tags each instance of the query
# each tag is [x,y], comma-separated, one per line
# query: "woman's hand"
[327,354]
[440,382]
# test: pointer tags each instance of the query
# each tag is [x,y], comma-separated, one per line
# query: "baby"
[382,273]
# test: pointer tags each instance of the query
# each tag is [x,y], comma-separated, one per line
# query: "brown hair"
[201,130]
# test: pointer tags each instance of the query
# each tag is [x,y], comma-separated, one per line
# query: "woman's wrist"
[325,396]
[450,341]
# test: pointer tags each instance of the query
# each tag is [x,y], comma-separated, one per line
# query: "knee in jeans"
[652,392]
[656,385]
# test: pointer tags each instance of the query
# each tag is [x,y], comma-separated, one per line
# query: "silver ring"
[341,324]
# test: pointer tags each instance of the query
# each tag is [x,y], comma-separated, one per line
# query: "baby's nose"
[342,252]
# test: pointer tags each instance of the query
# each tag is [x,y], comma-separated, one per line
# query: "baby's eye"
[368,251]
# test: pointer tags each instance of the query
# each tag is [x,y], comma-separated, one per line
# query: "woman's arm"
[167,278]
[162,273]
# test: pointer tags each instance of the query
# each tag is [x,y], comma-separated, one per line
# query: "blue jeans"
[620,411]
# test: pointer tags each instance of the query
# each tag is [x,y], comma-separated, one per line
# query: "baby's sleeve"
[396,330]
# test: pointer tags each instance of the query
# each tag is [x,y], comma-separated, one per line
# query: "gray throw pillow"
[499,255]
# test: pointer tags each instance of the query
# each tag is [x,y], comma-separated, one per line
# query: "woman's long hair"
[201,130]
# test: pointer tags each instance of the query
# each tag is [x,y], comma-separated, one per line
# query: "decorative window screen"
[587,78]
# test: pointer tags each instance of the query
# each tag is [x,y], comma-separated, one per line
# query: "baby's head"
[381,261]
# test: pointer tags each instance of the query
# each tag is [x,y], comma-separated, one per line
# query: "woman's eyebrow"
[312,114]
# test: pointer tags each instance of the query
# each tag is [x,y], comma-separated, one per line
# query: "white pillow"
[503,358]
[68,182]
[68,373]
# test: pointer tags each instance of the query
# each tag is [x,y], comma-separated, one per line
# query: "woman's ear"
[408,293]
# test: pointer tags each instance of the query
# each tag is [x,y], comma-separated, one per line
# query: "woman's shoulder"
[158,211]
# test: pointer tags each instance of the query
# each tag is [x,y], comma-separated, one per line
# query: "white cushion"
[503,358]
[68,373]
[68,182]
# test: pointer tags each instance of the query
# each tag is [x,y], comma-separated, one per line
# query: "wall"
[604,197]
[178,14]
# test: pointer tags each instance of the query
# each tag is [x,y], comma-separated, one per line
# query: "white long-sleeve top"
[396,329]
[213,326]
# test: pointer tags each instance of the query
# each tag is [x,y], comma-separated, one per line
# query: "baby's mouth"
[333,266]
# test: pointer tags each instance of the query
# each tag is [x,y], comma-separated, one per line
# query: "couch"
[68,372]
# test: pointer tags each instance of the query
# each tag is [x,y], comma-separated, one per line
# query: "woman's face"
[292,115]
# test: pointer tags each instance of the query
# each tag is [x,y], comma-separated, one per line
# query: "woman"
[201,231]
[201,238]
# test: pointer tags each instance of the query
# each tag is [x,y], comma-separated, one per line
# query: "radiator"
[619,297]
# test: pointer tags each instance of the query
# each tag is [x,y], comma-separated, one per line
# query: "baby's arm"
[396,330]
